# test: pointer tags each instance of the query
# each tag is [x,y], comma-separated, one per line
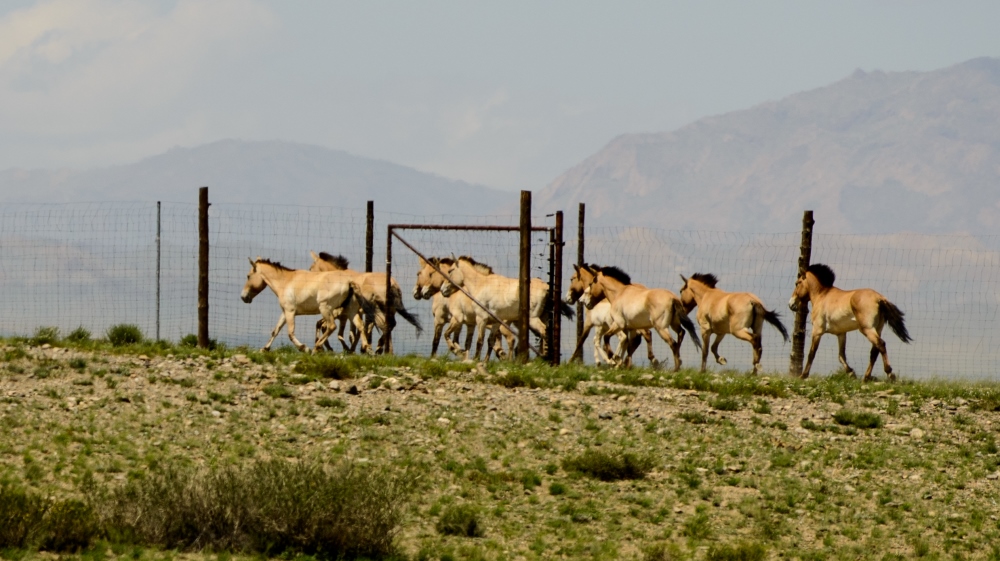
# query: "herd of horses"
[467,294]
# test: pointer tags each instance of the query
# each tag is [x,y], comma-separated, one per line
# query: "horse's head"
[428,280]
[255,282]
[454,272]
[326,262]
[595,291]
[818,278]
[582,277]
[687,296]
[801,293]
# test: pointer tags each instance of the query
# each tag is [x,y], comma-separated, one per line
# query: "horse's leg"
[481,328]
[749,336]
[470,332]
[706,338]
[842,354]
[320,330]
[817,335]
[878,347]
[578,351]
[274,332]
[715,349]
[675,346]
[648,337]
[290,320]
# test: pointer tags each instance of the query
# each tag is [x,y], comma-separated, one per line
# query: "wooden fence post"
[524,278]
[203,341]
[799,329]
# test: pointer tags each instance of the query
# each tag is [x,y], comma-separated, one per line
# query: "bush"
[862,420]
[460,520]
[609,467]
[69,526]
[323,366]
[21,517]
[45,336]
[189,340]
[726,404]
[79,335]
[278,391]
[271,508]
[741,552]
[124,334]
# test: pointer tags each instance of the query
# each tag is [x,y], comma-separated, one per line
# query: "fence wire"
[95,265]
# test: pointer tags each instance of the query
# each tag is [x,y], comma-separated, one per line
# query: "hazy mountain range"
[270,172]
[874,152]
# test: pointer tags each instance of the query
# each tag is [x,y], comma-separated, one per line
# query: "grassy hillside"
[497,461]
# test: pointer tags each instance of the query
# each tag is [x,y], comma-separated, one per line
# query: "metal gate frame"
[555,273]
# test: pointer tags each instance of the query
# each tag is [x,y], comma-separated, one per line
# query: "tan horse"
[635,307]
[499,294]
[839,311]
[599,318]
[304,293]
[373,289]
[456,311]
[741,314]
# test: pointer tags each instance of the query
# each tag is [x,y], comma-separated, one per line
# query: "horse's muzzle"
[247,298]
[417,294]
[793,304]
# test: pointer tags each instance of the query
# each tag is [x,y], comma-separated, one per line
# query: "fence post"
[370,237]
[579,262]
[524,278]
[158,270]
[390,305]
[556,347]
[203,267]
[799,329]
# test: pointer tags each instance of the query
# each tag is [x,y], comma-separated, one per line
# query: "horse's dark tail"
[400,309]
[366,305]
[564,309]
[894,317]
[686,323]
[774,318]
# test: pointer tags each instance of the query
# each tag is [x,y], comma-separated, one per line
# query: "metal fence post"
[799,329]
[158,268]
[579,262]
[370,237]
[524,278]
[203,340]
[556,348]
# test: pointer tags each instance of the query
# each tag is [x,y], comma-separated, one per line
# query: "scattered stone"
[993,476]
[444,421]
[334,385]
[216,413]
[563,432]
[916,434]
[241,359]
[353,390]
[606,416]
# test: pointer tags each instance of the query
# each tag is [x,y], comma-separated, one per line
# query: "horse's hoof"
[892,377]
[721,360]
[654,363]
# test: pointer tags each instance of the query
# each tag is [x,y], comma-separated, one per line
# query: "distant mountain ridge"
[875,152]
[267,172]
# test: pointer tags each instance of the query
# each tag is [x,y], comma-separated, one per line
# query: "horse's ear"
[313,255]
[253,266]
[683,278]
[423,261]
[453,258]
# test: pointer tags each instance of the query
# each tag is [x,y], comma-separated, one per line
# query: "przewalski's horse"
[599,318]
[635,307]
[304,293]
[456,310]
[373,289]
[839,311]
[741,314]
[499,294]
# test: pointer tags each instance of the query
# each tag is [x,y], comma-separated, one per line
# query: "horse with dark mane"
[839,311]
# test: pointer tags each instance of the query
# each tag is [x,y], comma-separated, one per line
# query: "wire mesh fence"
[95,265]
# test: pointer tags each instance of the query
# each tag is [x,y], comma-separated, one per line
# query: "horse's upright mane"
[481,267]
[707,279]
[274,264]
[823,274]
[438,261]
[617,274]
[338,261]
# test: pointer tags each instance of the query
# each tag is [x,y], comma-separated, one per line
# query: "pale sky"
[507,93]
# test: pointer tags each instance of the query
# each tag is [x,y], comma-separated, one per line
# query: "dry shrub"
[612,466]
[269,508]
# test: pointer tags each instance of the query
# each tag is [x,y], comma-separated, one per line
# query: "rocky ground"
[760,464]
